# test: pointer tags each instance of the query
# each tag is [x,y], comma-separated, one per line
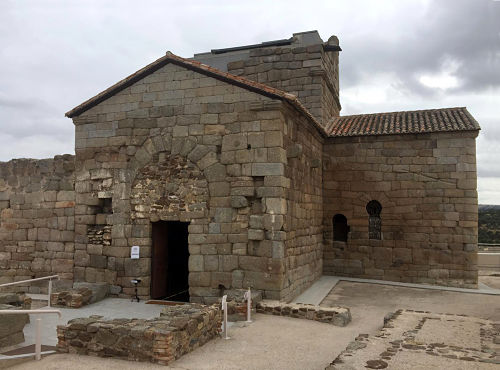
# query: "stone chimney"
[302,65]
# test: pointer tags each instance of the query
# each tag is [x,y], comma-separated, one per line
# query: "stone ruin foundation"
[412,337]
[179,330]
[338,316]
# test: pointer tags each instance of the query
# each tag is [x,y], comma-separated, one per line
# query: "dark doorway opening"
[169,261]
[340,228]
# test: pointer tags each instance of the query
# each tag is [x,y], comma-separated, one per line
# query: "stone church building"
[234,168]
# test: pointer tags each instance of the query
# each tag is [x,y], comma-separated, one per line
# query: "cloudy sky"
[397,55]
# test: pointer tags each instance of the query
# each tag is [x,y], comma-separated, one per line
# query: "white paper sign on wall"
[134,252]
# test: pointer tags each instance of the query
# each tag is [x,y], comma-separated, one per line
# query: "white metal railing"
[38,333]
[49,278]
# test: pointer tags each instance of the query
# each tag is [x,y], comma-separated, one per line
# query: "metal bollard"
[224,308]
[38,339]
[248,297]
[50,292]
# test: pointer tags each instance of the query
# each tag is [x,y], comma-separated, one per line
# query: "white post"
[248,297]
[224,308]
[38,339]
[50,292]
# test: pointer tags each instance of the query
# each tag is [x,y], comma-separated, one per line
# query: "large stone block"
[239,201]
[276,206]
[234,142]
[137,267]
[268,169]
[99,290]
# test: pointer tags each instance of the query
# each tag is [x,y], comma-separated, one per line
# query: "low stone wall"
[178,330]
[11,327]
[339,316]
[20,300]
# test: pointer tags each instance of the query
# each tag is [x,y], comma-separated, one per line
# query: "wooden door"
[159,260]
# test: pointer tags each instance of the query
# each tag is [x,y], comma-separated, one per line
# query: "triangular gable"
[201,68]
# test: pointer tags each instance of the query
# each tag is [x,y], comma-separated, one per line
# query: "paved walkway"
[320,289]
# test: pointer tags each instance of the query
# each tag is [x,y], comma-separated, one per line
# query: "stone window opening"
[105,205]
[374,208]
[340,228]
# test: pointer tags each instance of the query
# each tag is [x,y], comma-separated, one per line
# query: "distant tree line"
[489,224]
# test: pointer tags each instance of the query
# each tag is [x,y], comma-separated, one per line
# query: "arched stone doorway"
[168,197]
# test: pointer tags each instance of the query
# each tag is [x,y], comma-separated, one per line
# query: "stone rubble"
[74,298]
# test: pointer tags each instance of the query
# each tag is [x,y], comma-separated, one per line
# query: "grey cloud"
[467,32]
[56,54]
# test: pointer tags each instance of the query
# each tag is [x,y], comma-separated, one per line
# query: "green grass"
[489,224]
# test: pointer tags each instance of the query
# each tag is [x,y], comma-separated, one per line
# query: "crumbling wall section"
[37,203]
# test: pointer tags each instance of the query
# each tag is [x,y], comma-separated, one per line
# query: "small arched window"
[374,222]
[340,228]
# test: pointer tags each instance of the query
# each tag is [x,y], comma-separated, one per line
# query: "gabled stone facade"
[247,160]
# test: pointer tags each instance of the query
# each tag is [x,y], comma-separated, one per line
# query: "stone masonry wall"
[179,330]
[304,217]
[310,73]
[223,146]
[37,203]
[426,185]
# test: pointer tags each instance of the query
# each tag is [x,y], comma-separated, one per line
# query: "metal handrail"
[31,312]
[30,280]
[38,333]
[49,278]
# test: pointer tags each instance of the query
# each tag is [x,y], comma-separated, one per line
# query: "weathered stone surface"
[74,298]
[19,300]
[99,290]
[239,201]
[339,316]
[37,219]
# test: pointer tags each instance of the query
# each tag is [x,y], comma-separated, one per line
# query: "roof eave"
[403,133]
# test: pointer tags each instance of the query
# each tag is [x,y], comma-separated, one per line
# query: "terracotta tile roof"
[200,68]
[409,122]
